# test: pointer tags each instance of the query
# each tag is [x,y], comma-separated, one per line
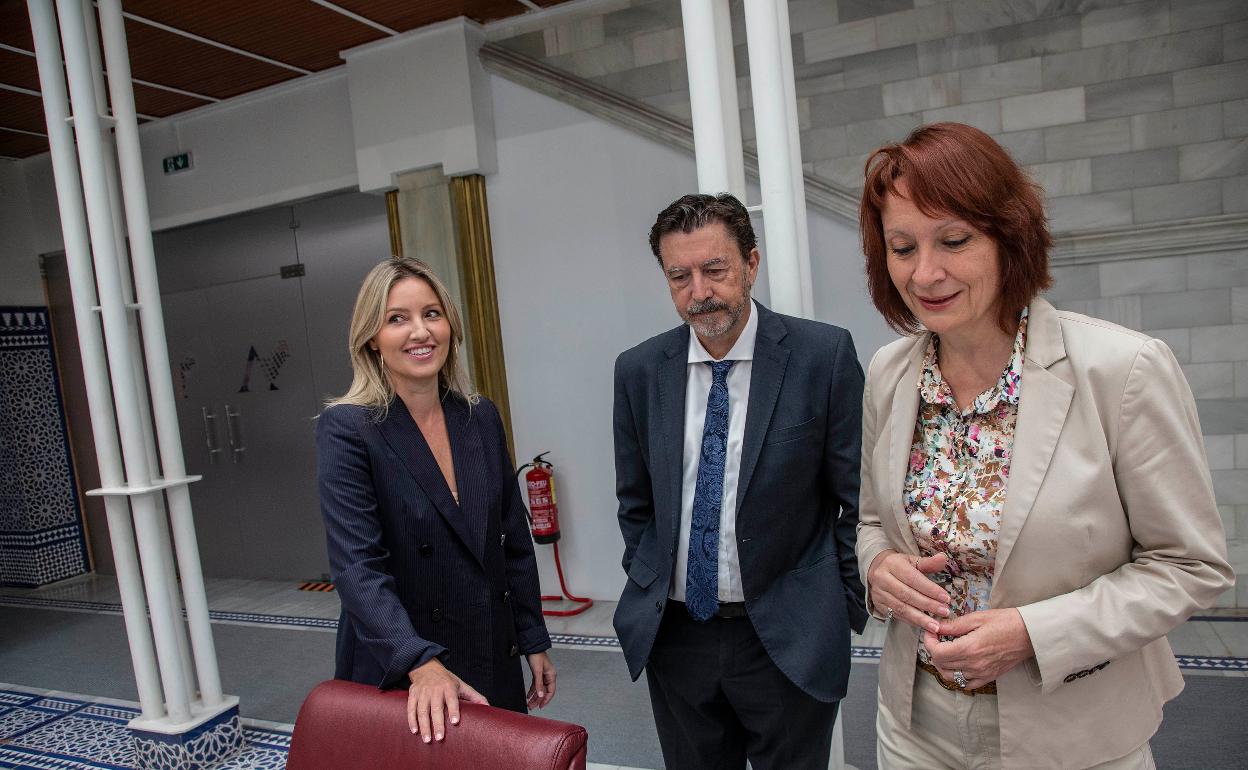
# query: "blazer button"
[658,606]
[514,651]
[436,616]
[502,539]
[506,597]
[426,550]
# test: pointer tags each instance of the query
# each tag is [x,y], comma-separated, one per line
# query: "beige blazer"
[1109,538]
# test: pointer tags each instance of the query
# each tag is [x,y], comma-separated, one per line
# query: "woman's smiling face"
[946,271]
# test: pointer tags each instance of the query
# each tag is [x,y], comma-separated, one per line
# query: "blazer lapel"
[766,376]
[469,459]
[673,378]
[404,437]
[903,413]
[1042,408]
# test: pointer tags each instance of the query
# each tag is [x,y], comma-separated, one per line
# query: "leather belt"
[987,689]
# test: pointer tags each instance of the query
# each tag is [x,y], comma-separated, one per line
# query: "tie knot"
[719,369]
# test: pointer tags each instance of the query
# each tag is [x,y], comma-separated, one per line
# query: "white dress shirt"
[697,389]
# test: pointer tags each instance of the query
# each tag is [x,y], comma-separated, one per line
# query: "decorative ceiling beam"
[19,90]
[357,17]
[23,131]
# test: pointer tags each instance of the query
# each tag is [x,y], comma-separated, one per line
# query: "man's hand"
[543,688]
[434,695]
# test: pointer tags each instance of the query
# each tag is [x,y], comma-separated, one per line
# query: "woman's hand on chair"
[433,696]
[899,586]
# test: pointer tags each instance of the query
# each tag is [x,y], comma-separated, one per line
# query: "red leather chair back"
[349,726]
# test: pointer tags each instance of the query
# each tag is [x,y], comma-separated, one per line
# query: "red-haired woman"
[1036,508]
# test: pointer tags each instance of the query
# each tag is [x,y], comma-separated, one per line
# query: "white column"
[94,363]
[713,97]
[775,162]
[152,550]
[156,348]
[795,157]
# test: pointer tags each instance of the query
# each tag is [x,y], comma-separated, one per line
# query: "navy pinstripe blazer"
[418,575]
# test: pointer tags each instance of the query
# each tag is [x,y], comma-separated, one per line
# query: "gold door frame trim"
[392,219]
[476,264]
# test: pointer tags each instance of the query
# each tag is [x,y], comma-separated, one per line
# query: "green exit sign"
[176,163]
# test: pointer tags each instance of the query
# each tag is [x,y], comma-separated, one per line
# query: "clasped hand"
[982,645]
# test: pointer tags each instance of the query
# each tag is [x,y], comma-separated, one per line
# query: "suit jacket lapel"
[404,437]
[673,378]
[1042,408]
[766,376]
[903,413]
[469,459]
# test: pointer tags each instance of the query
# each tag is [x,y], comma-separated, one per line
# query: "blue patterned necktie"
[702,580]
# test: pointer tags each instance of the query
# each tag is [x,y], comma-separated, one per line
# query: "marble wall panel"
[1219,83]
[906,27]
[1087,140]
[823,143]
[1025,146]
[850,106]
[1190,14]
[1228,157]
[1178,340]
[1087,65]
[1235,118]
[644,17]
[1126,22]
[1067,177]
[1089,212]
[1202,307]
[1239,305]
[1124,311]
[924,93]
[1177,201]
[1037,38]
[1135,169]
[986,116]
[1074,282]
[1235,41]
[1143,276]
[997,81]
[1213,381]
[1235,195]
[840,41]
[1186,125]
[975,15]
[1050,108]
[1220,343]
[881,66]
[1130,96]
[851,10]
[868,135]
[956,53]
[1223,268]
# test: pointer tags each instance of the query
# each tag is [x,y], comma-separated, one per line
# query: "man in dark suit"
[736,452]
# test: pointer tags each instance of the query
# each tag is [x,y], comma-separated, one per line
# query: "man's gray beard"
[711,328]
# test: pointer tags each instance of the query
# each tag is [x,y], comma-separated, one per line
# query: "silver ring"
[890,614]
[959,679]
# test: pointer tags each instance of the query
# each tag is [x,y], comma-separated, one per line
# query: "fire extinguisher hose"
[585,602]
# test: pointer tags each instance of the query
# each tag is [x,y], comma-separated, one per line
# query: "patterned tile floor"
[67,731]
[64,731]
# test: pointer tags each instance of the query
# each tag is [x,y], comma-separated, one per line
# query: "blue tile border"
[859,653]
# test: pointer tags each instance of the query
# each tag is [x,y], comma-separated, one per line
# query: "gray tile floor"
[1225,636]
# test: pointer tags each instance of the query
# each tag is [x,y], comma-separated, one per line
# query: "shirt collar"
[742,349]
[934,390]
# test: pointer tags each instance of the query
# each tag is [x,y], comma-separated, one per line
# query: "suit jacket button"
[502,539]
[514,651]
[658,606]
[506,597]
[436,616]
[426,550]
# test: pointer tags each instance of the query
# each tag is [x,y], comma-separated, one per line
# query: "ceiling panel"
[19,70]
[158,102]
[15,25]
[297,32]
[404,15]
[21,145]
[163,57]
[22,111]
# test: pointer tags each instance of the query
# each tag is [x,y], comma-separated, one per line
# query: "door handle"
[234,432]
[210,435]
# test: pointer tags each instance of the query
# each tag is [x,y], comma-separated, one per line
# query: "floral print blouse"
[958,473]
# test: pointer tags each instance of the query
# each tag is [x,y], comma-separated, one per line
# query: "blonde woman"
[427,535]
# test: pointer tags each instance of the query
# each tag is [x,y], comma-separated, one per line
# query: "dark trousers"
[718,698]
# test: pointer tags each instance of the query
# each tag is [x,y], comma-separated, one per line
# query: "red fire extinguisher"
[543,508]
[544,521]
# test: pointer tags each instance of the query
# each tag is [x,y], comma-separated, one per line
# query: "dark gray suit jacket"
[419,575]
[797,495]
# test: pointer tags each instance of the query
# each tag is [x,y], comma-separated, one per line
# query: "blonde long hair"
[370,385]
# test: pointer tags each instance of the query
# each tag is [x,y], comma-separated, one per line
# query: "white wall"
[19,263]
[570,210]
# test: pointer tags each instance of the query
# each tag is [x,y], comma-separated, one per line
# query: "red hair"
[955,169]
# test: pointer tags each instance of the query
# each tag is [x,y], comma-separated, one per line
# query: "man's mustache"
[707,306]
